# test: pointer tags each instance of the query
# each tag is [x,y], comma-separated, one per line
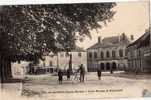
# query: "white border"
[21,2]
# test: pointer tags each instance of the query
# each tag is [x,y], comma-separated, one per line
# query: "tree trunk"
[6,73]
[0,69]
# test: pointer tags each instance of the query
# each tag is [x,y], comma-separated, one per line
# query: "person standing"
[60,76]
[99,73]
[68,74]
[82,73]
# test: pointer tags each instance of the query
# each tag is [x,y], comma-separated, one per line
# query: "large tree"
[28,31]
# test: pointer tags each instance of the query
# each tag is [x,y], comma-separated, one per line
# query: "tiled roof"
[109,42]
[78,49]
[113,40]
[102,45]
[142,41]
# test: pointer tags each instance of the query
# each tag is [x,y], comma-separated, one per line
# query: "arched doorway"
[107,66]
[102,66]
[114,67]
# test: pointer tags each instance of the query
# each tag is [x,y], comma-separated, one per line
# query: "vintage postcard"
[97,50]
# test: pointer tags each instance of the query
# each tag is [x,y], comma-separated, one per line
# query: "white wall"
[63,60]
[19,69]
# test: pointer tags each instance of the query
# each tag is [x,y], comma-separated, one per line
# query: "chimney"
[99,39]
[123,36]
[146,30]
[132,37]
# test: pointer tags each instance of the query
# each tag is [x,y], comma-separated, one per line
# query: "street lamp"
[70,62]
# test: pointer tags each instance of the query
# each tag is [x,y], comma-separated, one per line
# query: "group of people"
[80,70]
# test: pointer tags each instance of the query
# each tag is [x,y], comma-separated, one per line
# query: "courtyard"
[46,87]
[110,85]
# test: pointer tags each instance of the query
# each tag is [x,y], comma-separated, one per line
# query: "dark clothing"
[99,72]
[60,76]
[82,70]
[111,71]
[82,73]
[68,74]
[82,77]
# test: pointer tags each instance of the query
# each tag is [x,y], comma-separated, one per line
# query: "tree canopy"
[35,29]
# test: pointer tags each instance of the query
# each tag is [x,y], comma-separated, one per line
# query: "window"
[90,54]
[95,55]
[102,54]
[121,53]
[113,54]
[107,54]
[79,54]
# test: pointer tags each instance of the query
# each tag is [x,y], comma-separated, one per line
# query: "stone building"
[61,60]
[108,53]
[139,54]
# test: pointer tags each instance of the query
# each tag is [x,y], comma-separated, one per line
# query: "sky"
[132,18]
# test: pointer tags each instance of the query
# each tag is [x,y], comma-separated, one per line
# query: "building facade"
[109,53]
[139,54]
[62,59]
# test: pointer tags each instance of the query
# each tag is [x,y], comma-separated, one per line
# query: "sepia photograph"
[75,51]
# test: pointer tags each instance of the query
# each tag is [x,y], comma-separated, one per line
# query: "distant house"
[108,53]
[139,54]
[61,60]
[19,69]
